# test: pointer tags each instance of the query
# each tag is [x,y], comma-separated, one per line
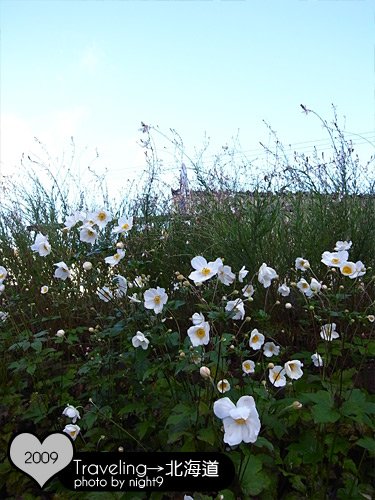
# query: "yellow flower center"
[205,271]
[200,333]
[305,285]
[73,433]
[255,339]
[125,226]
[102,216]
[117,256]
[90,232]
[2,276]
[292,367]
[247,366]
[335,260]
[157,299]
[347,270]
[240,421]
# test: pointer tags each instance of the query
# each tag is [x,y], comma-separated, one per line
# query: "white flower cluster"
[71,429]
[339,259]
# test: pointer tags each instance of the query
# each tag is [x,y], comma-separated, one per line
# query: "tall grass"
[298,207]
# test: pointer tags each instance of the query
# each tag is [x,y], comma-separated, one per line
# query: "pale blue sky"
[95,69]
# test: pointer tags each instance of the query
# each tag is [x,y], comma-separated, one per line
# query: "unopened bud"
[297,405]
[205,372]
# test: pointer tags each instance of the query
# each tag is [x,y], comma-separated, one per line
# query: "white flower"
[370,318]
[3,274]
[72,430]
[122,285]
[62,272]
[197,318]
[303,286]
[41,245]
[203,270]
[348,268]
[155,298]
[256,340]
[314,286]
[302,264]
[266,274]
[88,234]
[241,421]
[105,294]
[270,349]
[71,412]
[317,359]
[242,274]
[288,305]
[3,316]
[44,289]
[248,366]
[188,497]
[328,332]
[225,275]
[284,290]
[223,386]
[139,340]
[199,334]
[113,260]
[276,376]
[124,225]
[101,218]
[236,306]
[360,270]
[87,266]
[342,245]
[2,288]
[60,333]
[293,369]
[72,220]
[334,259]
[248,291]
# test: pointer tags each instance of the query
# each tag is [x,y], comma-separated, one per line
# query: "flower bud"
[270,366]
[87,266]
[60,333]
[297,405]
[205,372]
[288,305]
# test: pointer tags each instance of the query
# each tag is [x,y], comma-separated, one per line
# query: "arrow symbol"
[158,468]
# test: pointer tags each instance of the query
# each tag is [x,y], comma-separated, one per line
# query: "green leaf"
[207,435]
[31,369]
[323,411]
[173,305]
[263,442]
[37,345]
[254,481]
[227,495]
[367,443]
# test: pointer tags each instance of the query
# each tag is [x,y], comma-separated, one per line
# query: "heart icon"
[41,461]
